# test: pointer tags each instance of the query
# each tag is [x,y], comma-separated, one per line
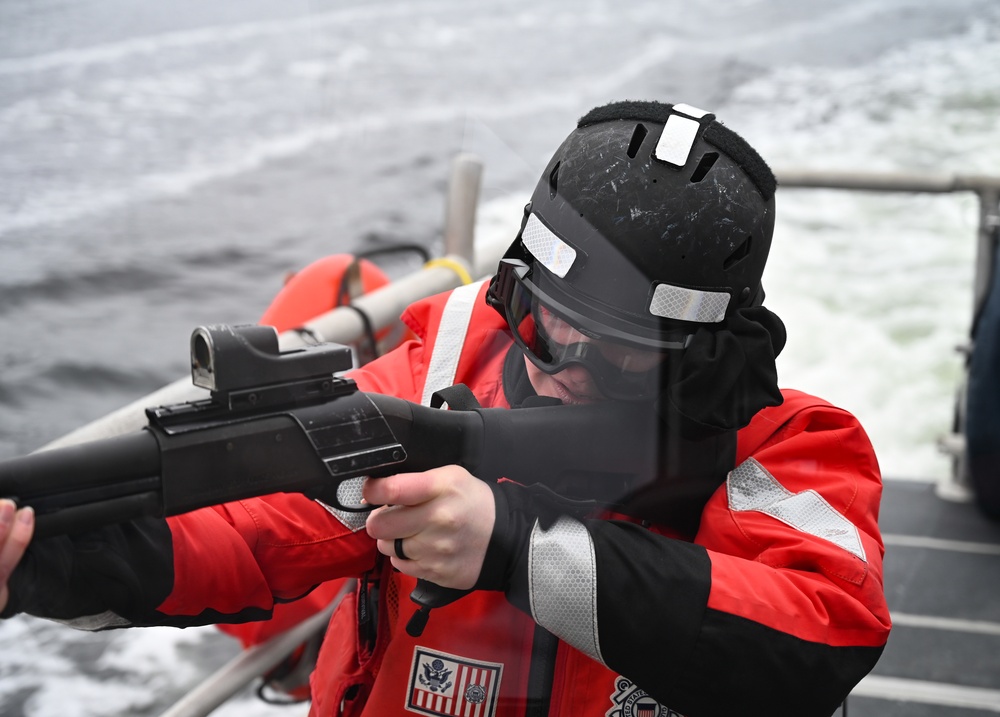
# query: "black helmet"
[650,222]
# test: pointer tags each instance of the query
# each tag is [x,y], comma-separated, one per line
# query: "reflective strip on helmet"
[750,487]
[555,255]
[676,302]
[679,134]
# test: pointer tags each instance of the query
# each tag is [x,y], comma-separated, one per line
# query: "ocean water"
[164,168]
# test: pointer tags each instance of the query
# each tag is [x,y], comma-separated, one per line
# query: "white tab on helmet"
[679,134]
[690,111]
[676,302]
[552,252]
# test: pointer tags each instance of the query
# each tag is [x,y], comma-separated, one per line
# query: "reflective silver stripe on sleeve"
[562,584]
[676,302]
[92,623]
[750,487]
[450,339]
[555,255]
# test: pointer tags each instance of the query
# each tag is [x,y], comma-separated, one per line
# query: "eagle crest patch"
[629,700]
[446,685]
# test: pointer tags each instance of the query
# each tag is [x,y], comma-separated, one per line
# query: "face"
[571,385]
[574,384]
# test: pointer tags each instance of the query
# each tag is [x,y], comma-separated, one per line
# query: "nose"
[576,375]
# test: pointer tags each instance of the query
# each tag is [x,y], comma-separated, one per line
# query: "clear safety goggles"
[624,366]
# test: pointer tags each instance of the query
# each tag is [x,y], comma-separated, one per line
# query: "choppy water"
[163,168]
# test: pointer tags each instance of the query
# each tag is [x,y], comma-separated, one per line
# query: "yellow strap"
[453,264]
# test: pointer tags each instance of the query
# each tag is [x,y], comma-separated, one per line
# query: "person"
[746,579]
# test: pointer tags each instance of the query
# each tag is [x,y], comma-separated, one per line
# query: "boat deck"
[942,578]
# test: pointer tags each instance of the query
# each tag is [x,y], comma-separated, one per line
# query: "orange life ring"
[319,288]
[326,284]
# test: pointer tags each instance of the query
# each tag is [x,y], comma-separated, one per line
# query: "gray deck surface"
[942,581]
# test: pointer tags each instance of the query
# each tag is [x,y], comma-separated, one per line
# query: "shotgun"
[287,422]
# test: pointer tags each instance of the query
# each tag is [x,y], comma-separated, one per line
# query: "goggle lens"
[553,344]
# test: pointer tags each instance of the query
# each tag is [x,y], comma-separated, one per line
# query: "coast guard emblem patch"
[448,686]
[629,700]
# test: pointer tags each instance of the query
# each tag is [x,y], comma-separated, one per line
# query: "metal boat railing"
[956,485]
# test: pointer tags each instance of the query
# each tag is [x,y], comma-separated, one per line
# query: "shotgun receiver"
[286,422]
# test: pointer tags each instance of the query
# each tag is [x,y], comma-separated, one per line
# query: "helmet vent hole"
[637,136]
[708,160]
[554,180]
[738,254]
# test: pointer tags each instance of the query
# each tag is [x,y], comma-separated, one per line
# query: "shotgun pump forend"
[285,422]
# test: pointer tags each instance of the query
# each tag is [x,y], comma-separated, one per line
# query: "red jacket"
[773,606]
